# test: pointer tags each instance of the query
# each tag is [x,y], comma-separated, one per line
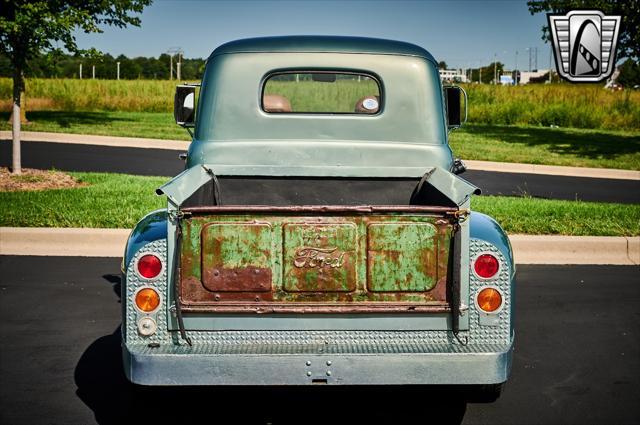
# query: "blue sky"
[462,33]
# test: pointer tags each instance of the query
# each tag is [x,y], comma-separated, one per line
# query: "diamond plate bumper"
[303,365]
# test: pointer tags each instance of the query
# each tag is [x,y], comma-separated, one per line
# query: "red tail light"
[149,266]
[486,266]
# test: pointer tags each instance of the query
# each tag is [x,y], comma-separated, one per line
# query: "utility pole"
[118,70]
[533,58]
[81,71]
[550,59]
[480,77]
[495,69]
[172,51]
[179,65]
[93,72]
[516,70]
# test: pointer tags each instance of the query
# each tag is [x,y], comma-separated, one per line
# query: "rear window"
[321,93]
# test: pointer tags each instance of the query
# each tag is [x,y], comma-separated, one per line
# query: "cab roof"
[322,44]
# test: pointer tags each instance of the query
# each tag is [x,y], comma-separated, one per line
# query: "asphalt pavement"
[577,358]
[162,162]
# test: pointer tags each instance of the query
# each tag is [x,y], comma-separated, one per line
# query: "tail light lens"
[486,266]
[489,300]
[149,266]
[147,299]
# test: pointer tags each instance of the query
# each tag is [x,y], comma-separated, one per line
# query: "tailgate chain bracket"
[456,304]
[177,216]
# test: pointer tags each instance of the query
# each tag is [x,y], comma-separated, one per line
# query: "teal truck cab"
[320,232]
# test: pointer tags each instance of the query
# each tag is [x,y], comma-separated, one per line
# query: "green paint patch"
[401,257]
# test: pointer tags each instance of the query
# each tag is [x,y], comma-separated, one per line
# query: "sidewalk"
[502,167]
[528,249]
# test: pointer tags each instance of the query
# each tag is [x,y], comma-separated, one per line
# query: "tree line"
[56,65]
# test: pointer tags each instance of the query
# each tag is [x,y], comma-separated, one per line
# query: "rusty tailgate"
[315,259]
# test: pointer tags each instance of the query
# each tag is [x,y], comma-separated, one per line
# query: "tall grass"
[93,95]
[564,105]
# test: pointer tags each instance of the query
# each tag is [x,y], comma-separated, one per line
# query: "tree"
[442,65]
[629,74]
[629,38]
[29,27]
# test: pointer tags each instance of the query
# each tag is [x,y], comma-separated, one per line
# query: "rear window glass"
[321,93]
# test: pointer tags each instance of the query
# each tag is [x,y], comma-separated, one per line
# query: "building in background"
[526,76]
[506,79]
[453,75]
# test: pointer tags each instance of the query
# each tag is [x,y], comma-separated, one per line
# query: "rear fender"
[151,228]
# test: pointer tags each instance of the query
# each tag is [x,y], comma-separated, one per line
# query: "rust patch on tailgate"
[236,257]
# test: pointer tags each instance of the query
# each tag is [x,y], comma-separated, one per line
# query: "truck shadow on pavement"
[103,387]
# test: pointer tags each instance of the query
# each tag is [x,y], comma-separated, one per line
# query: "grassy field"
[119,201]
[536,145]
[564,105]
[155,125]
[92,95]
[551,146]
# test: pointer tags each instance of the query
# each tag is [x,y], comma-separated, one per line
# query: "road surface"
[162,162]
[577,358]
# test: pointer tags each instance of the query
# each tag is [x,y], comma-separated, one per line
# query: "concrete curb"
[501,167]
[84,139]
[66,242]
[546,249]
[554,170]
[528,249]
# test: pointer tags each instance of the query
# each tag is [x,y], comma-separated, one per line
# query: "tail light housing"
[149,266]
[486,266]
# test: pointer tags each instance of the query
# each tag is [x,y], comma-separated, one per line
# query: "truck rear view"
[319,233]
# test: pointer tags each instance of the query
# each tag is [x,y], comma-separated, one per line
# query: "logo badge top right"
[584,44]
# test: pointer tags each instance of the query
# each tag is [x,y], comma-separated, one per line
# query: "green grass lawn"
[119,201]
[551,146]
[155,125]
[527,144]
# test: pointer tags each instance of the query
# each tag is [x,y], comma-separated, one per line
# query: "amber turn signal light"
[489,300]
[147,300]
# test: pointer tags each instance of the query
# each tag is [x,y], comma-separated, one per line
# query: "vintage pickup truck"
[319,233]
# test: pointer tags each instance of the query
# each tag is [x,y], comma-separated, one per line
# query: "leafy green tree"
[485,74]
[629,74]
[29,27]
[442,65]
[629,41]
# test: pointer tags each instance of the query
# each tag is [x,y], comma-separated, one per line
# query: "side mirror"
[453,99]
[184,105]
